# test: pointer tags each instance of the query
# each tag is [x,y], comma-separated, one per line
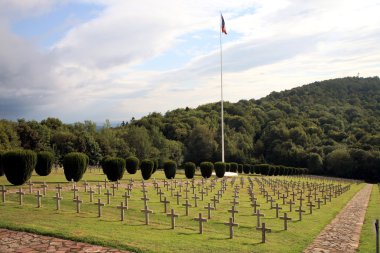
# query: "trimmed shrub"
[228,166]
[246,168]
[155,167]
[114,168]
[170,168]
[75,165]
[220,169]
[18,165]
[45,162]
[240,168]
[131,164]
[146,167]
[251,169]
[206,169]
[1,164]
[233,167]
[189,170]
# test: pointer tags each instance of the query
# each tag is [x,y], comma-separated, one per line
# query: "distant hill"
[330,127]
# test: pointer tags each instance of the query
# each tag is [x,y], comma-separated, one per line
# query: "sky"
[94,60]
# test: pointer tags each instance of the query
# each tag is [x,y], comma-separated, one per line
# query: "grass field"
[367,238]
[134,235]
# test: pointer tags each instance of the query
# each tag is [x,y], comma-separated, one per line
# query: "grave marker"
[172,216]
[39,196]
[231,224]
[3,192]
[78,202]
[264,230]
[20,193]
[209,208]
[99,204]
[186,205]
[147,212]
[200,221]
[108,196]
[58,199]
[286,219]
[122,208]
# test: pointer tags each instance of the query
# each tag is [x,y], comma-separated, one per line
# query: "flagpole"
[221,87]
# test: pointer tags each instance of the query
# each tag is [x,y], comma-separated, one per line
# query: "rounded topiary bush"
[233,167]
[131,164]
[146,167]
[206,169]
[155,167]
[240,168]
[228,167]
[114,168]
[189,169]
[220,169]
[45,162]
[75,165]
[18,165]
[170,169]
[1,164]
[246,168]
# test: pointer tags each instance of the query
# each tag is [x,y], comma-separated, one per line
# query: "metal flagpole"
[221,84]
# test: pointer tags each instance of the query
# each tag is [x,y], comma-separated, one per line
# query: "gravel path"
[22,242]
[343,233]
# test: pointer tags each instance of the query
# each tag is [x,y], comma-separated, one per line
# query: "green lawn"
[367,238]
[133,234]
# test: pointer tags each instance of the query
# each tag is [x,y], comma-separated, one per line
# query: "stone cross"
[233,211]
[126,197]
[44,186]
[85,186]
[129,190]
[264,230]
[319,201]
[186,193]
[277,208]
[91,192]
[105,183]
[200,220]
[215,200]
[30,184]
[300,211]
[231,224]
[113,187]
[234,202]
[172,216]
[108,196]
[58,199]
[202,194]
[122,208]
[300,199]
[74,190]
[255,205]
[271,202]
[166,202]
[286,219]
[186,205]
[39,196]
[258,214]
[283,197]
[147,212]
[3,192]
[195,197]
[117,184]
[99,186]
[21,194]
[78,202]
[291,203]
[177,195]
[209,208]
[59,189]
[310,205]
[145,198]
[160,193]
[99,204]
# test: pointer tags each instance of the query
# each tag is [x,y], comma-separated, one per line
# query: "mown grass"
[133,234]
[367,238]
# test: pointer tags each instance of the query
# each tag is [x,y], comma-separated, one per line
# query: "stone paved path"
[22,242]
[343,233]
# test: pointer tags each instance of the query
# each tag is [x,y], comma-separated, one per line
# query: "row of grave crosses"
[286,192]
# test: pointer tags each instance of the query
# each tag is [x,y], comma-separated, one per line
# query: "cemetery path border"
[343,233]
[16,241]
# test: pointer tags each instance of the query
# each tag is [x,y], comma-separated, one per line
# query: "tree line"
[330,127]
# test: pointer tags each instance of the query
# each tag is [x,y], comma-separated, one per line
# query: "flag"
[223,27]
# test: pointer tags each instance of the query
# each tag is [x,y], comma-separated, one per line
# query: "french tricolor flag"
[223,27]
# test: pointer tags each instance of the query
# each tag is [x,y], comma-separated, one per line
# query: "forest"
[330,127]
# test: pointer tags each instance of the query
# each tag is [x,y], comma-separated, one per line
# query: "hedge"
[45,162]
[233,167]
[131,164]
[146,167]
[170,168]
[75,165]
[206,169]
[18,165]
[189,169]
[220,169]
[240,168]
[114,168]
[1,164]
[246,168]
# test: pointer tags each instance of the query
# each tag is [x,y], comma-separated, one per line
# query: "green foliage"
[189,169]
[228,166]
[246,168]
[170,168]
[114,168]
[75,165]
[45,160]
[339,163]
[146,167]
[220,169]
[1,164]
[240,168]
[18,165]
[132,164]
[233,167]
[206,169]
